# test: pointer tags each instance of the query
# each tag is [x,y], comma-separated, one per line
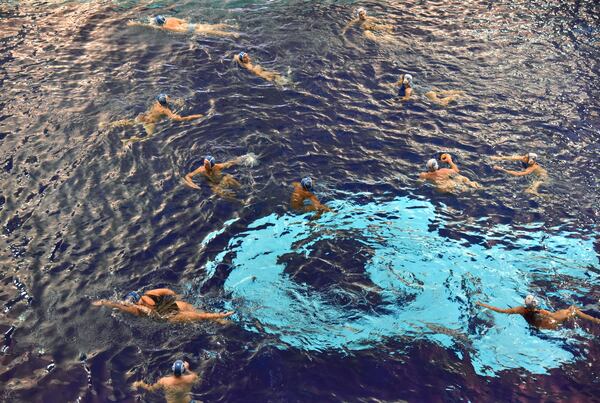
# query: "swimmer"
[161,304]
[446,180]
[530,167]
[180,26]
[211,171]
[244,60]
[541,318]
[405,84]
[177,387]
[159,110]
[303,194]
[442,98]
[370,26]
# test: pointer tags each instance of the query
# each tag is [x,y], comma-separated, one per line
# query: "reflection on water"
[416,283]
[367,298]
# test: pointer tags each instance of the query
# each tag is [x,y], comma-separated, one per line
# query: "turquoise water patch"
[416,283]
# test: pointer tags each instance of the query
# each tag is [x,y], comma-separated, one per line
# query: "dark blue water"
[374,302]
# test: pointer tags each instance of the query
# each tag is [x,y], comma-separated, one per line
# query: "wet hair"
[178,368]
[531,302]
[306,183]
[432,165]
[162,99]
[132,296]
[160,20]
[211,160]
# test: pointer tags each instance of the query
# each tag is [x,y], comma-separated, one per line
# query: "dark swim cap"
[133,296]
[307,183]
[211,159]
[160,20]
[162,99]
[178,368]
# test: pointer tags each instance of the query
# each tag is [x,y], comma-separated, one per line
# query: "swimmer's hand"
[446,158]
[498,168]
[100,302]
[188,182]
[228,314]
[496,158]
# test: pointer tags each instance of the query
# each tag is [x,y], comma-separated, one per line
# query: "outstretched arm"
[506,157]
[515,173]
[178,118]
[148,387]
[188,316]
[586,316]
[518,309]
[129,308]
[229,163]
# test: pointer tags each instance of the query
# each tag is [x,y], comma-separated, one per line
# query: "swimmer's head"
[162,99]
[432,165]
[244,58]
[407,80]
[361,13]
[306,183]
[531,158]
[178,368]
[160,20]
[531,302]
[132,296]
[210,160]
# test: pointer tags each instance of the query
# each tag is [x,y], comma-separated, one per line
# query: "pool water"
[373,302]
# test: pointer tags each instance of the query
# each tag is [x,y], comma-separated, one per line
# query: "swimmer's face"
[362,15]
[527,161]
[245,58]
[207,165]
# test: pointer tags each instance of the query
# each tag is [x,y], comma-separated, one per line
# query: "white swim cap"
[432,165]
[532,157]
[531,302]
[408,77]
[360,10]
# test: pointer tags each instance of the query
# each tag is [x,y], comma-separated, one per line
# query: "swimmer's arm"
[160,291]
[178,118]
[132,23]
[453,166]
[586,316]
[318,205]
[506,157]
[516,173]
[148,387]
[188,178]
[518,309]
[229,163]
[129,308]
[348,25]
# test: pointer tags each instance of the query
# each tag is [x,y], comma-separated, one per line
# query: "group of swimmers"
[164,304]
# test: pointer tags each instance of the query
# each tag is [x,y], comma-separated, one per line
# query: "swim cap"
[360,10]
[159,19]
[178,368]
[531,302]
[432,165]
[307,183]
[409,78]
[132,296]
[162,99]
[532,157]
[241,56]
[210,159]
